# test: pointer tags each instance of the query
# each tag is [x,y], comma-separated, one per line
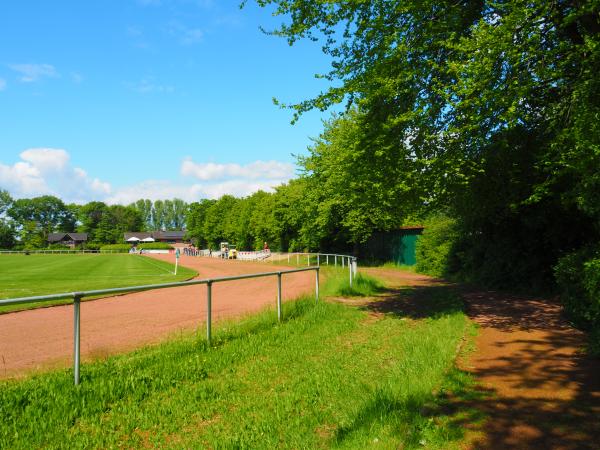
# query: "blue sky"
[118,100]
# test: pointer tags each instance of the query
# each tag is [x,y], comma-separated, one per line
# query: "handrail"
[77,296]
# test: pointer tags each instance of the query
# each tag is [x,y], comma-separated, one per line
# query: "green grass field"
[28,275]
[329,376]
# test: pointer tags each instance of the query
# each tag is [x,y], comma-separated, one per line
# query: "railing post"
[308,260]
[208,310]
[318,259]
[279,296]
[335,256]
[317,285]
[76,336]
[350,271]
[327,257]
[342,262]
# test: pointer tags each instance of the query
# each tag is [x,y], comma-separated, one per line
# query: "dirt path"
[540,390]
[43,338]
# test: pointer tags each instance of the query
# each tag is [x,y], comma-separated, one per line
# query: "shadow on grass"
[436,420]
[417,302]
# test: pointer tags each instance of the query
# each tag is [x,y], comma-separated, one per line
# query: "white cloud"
[46,159]
[33,72]
[269,170]
[163,189]
[2,84]
[44,171]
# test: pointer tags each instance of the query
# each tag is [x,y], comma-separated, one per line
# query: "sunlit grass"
[328,376]
[32,275]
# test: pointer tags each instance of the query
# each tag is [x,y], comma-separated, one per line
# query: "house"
[169,237]
[69,239]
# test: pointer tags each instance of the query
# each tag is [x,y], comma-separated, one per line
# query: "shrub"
[155,246]
[116,247]
[145,246]
[59,247]
[435,244]
[578,278]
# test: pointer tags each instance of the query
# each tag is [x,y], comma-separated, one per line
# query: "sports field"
[27,275]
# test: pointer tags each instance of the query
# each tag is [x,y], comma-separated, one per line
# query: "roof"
[138,234]
[57,237]
[176,234]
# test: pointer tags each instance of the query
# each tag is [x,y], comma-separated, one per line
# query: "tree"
[48,213]
[123,219]
[441,89]
[31,235]
[215,223]
[5,201]
[7,235]
[89,216]
[7,231]
[158,215]
[195,221]
[144,206]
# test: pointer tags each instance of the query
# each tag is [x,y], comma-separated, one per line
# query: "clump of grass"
[338,284]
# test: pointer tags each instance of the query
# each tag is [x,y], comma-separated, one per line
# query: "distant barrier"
[77,296]
[318,259]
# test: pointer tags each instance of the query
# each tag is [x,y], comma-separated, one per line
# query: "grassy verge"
[328,376]
[25,276]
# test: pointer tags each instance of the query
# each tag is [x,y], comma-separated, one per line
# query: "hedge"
[145,246]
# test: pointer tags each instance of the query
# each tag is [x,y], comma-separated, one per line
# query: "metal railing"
[349,261]
[77,296]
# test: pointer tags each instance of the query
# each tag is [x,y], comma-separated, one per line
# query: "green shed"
[398,246]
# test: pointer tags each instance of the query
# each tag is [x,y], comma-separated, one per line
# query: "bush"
[578,278]
[116,247]
[60,247]
[155,246]
[126,247]
[435,244]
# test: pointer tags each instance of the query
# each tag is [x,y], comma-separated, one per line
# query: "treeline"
[27,222]
[276,218]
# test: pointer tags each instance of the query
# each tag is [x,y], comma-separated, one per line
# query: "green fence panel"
[398,246]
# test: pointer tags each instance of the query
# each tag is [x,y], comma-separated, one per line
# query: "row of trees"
[27,222]
[248,222]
